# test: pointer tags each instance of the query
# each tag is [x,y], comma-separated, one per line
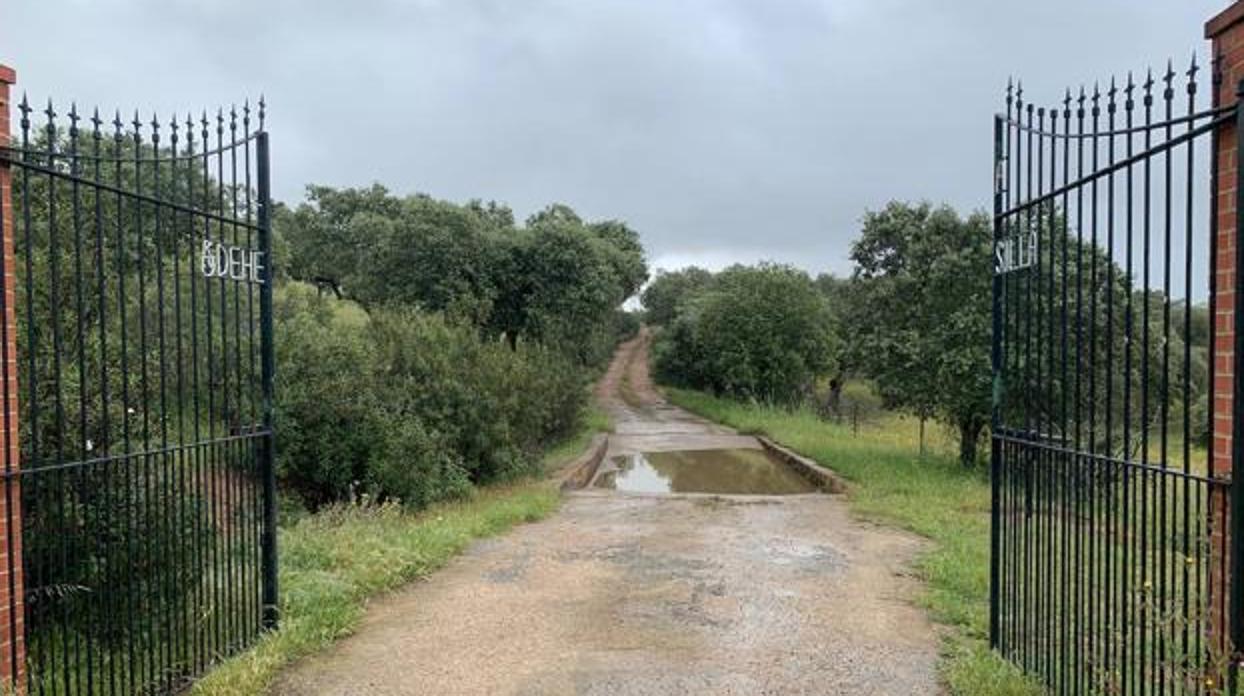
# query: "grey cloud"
[722,129]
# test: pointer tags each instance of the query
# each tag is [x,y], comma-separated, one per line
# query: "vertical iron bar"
[1080,591]
[164,471]
[1210,523]
[271,609]
[1145,557]
[237,610]
[1187,390]
[1095,546]
[1030,540]
[83,490]
[1129,512]
[1164,584]
[252,528]
[1040,603]
[209,484]
[1065,460]
[1109,498]
[184,629]
[995,359]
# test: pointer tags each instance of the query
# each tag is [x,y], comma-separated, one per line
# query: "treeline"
[425,346]
[914,319]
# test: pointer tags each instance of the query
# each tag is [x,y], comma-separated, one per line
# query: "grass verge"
[595,420]
[933,497]
[332,562]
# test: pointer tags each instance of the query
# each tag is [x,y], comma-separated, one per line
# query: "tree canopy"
[556,280]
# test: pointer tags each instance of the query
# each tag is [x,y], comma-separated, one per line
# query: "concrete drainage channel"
[758,467]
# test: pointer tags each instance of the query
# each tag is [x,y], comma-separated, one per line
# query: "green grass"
[934,497]
[332,562]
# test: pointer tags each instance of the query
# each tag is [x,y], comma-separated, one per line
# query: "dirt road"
[639,594]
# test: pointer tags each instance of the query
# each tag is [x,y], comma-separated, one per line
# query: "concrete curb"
[578,474]
[821,477]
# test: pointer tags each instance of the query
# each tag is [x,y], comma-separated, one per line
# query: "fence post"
[12,604]
[996,362]
[1226,31]
[271,610]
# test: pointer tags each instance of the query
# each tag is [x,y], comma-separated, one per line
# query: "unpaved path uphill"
[630,594]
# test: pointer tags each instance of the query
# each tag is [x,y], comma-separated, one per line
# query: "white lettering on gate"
[220,260]
[1014,253]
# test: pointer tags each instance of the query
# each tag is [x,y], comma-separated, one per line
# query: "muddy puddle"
[734,471]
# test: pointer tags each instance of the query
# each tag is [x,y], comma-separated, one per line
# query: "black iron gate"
[144,320]
[1109,554]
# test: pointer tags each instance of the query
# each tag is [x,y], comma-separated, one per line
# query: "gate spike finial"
[1129,103]
[155,131]
[220,122]
[96,122]
[50,127]
[1067,104]
[1111,103]
[172,136]
[24,107]
[233,121]
[263,107]
[73,120]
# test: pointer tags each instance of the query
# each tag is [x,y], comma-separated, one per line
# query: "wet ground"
[639,594]
[730,472]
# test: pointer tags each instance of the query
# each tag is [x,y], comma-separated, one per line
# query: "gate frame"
[14,672]
[1225,515]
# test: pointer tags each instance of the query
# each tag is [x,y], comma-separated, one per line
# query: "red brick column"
[1226,30]
[12,633]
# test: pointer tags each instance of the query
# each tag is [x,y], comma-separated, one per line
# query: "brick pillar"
[1226,31]
[12,610]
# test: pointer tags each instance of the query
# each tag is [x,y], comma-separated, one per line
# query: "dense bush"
[760,332]
[402,403]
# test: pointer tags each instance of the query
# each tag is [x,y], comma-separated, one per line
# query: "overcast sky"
[723,130]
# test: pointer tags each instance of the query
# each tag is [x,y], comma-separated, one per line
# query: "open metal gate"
[143,310]
[1110,552]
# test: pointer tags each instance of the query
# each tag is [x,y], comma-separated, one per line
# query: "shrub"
[758,332]
[403,404]
[331,432]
